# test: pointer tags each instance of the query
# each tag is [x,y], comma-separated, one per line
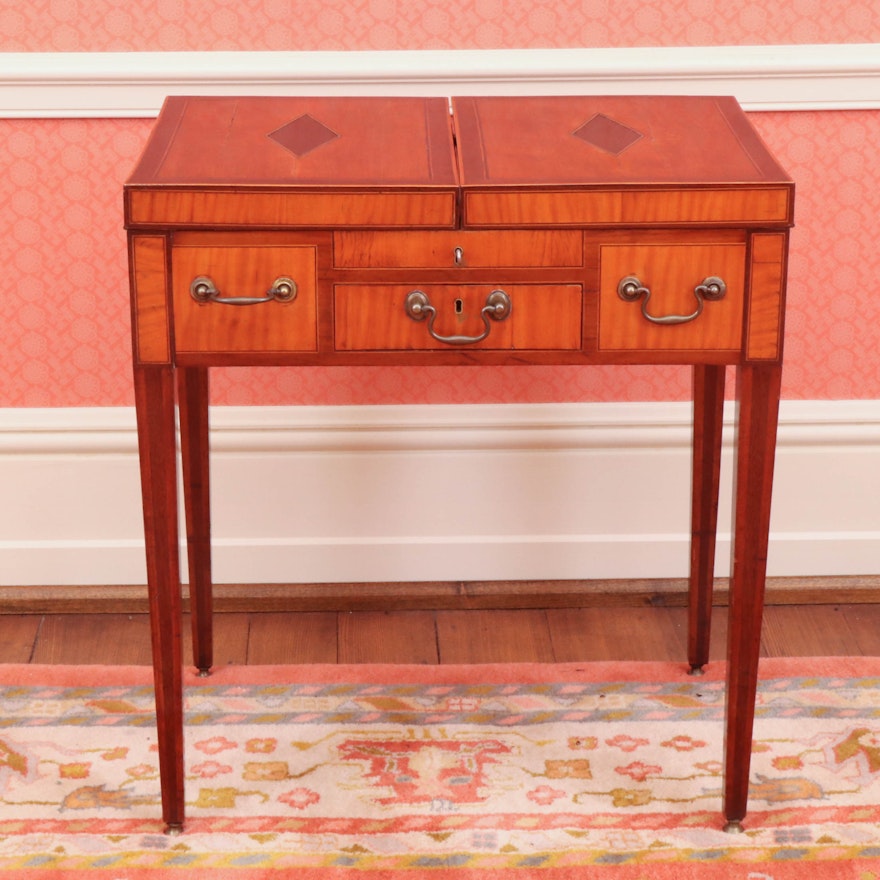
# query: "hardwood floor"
[471,636]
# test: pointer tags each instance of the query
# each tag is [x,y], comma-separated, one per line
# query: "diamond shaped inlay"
[607,134]
[303,135]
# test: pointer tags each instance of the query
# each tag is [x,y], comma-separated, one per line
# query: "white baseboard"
[132,84]
[421,493]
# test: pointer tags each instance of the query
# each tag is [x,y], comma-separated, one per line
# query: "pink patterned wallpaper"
[198,25]
[64,319]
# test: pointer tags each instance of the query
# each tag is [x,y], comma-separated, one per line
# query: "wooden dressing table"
[419,231]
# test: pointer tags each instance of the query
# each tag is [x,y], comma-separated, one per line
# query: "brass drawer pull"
[203,290]
[630,289]
[418,307]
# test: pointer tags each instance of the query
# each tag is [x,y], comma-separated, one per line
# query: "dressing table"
[294,231]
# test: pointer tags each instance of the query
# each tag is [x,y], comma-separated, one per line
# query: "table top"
[581,141]
[300,142]
[451,146]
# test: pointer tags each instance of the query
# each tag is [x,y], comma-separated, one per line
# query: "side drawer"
[445,250]
[375,317]
[245,272]
[673,306]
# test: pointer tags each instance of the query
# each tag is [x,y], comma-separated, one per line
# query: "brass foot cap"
[696,670]
[174,829]
[734,827]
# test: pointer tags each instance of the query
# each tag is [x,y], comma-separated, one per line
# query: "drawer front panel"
[238,272]
[374,318]
[446,250]
[673,273]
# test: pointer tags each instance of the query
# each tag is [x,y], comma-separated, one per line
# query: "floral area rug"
[515,771]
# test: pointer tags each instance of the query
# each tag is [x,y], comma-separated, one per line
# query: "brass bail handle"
[631,289]
[203,290]
[418,307]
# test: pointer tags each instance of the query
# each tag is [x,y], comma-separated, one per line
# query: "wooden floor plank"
[387,637]
[289,637]
[471,636]
[718,635]
[103,639]
[18,637]
[498,636]
[619,634]
[863,622]
[806,631]
[230,639]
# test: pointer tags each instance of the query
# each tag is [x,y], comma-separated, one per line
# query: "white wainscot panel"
[496,492]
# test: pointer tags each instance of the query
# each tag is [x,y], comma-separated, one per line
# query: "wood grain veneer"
[552,199]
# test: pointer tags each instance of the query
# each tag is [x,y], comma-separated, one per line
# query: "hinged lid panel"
[615,159]
[226,160]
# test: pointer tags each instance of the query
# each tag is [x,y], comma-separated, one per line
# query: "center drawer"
[398,317]
[440,249]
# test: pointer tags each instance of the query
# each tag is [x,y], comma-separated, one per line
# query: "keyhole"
[459,306]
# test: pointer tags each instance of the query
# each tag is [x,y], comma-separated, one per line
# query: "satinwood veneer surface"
[472,230]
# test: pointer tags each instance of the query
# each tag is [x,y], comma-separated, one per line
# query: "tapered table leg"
[154,399]
[758,414]
[192,392]
[706,470]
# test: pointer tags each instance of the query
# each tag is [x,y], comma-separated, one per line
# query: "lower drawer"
[397,317]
